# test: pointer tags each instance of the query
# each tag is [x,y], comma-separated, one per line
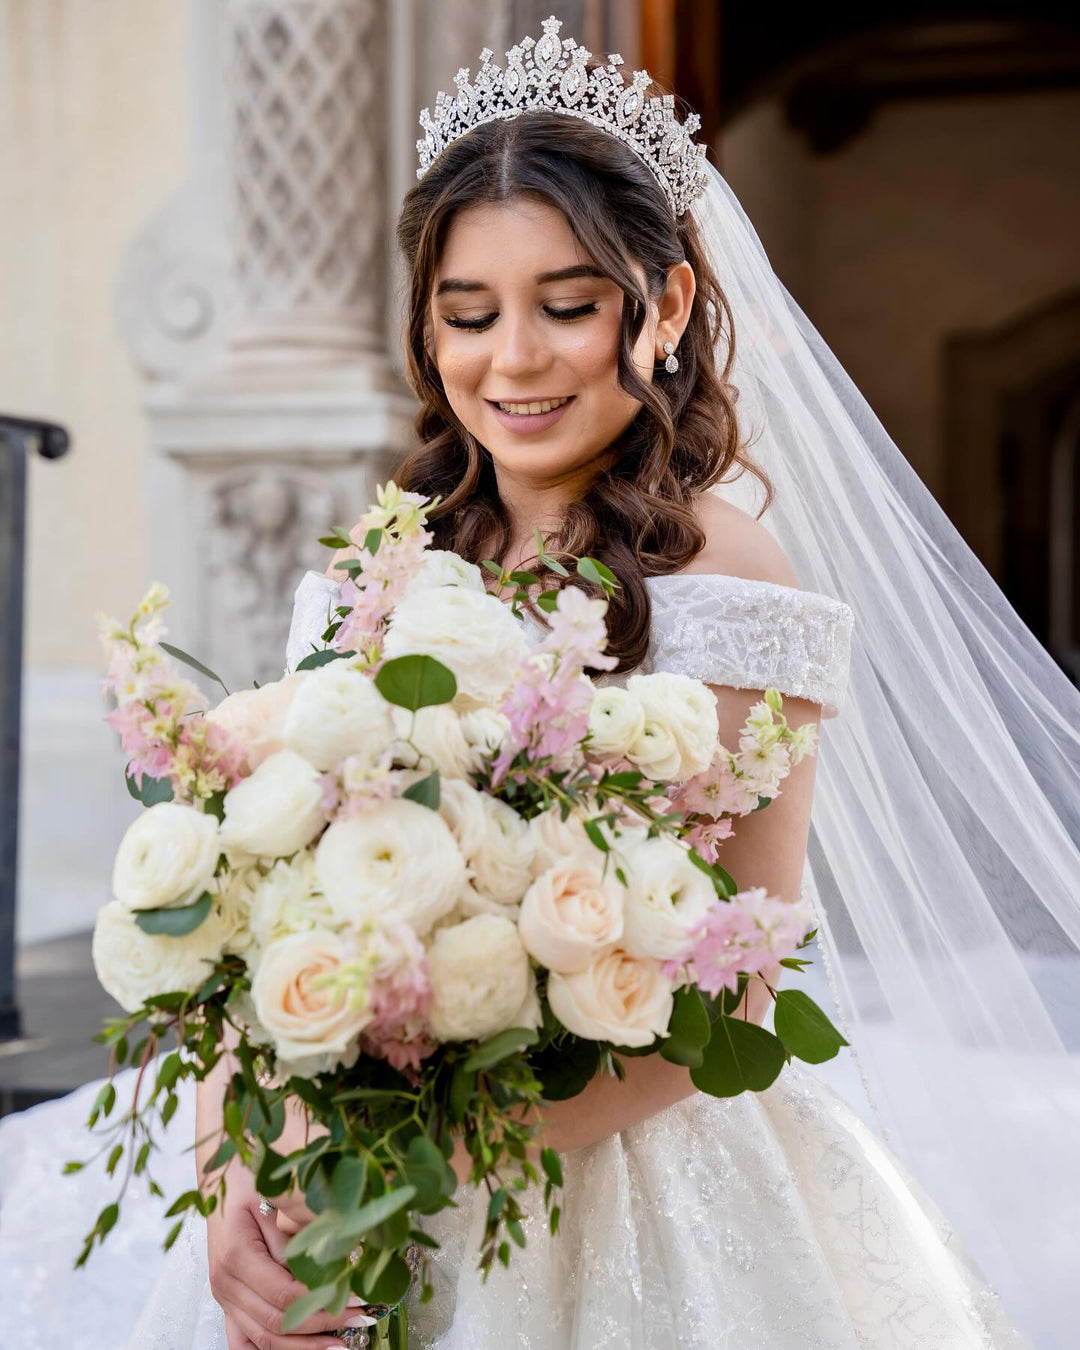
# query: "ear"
[673,307]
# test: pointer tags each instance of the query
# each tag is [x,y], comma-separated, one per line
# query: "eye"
[560,315]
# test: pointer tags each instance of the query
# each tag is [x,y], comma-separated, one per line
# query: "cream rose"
[314,1027]
[502,866]
[686,709]
[396,861]
[480,978]
[572,913]
[256,717]
[337,712]
[440,567]
[275,811]
[471,632]
[616,720]
[618,998]
[131,965]
[665,896]
[167,857]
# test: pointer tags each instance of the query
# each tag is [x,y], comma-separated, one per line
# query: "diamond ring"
[266,1207]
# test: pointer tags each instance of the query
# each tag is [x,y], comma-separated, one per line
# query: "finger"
[264,1289]
[262,1339]
[235,1338]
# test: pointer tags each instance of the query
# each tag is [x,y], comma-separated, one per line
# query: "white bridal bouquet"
[430,880]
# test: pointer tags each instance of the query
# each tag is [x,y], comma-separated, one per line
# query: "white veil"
[945,836]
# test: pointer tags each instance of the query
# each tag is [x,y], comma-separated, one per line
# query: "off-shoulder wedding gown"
[770,1221]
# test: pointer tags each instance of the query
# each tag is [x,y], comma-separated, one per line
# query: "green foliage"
[803,1028]
[174,922]
[426,791]
[193,663]
[688,1030]
[740,1057]
[415,682]
[153,790]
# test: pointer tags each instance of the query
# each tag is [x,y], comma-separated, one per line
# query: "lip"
[528,424]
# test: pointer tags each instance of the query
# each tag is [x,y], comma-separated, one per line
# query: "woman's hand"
[249,1280]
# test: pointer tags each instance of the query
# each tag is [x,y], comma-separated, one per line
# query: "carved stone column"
[274,405]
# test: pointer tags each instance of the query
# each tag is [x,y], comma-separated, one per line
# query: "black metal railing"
[19,438]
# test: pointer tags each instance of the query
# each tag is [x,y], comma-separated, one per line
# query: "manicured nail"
[355,1301]
[361,1320]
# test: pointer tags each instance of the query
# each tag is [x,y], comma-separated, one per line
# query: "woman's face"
[508,327]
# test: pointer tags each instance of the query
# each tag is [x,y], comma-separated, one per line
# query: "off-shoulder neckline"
[686,576]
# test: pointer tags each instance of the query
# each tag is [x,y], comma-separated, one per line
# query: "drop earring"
[671,365]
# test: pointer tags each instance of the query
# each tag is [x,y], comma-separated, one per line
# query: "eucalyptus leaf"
[302,1308]
[192,662]
[740,1056]
[803,1028]
[176,922]
[153,790]
[688,1030]
[565,1068]
[501,1047]
[321,658]
[415,681]
[426,791]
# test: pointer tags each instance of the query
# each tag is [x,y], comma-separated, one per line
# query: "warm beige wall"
[946,215]
[93,137]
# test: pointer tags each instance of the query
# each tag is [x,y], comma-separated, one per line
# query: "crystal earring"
[671,365]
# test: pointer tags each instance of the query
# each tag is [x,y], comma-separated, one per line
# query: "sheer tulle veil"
[944,855]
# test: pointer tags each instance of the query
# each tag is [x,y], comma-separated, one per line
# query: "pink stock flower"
[400,993]
[714,791]
[744,934]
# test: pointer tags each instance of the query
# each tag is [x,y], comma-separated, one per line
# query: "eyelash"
[560,315]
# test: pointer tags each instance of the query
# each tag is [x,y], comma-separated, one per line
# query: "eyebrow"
[562,274]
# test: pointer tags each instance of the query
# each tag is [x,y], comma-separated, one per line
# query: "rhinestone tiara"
[550,73]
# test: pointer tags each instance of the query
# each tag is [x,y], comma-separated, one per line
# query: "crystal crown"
[550,73]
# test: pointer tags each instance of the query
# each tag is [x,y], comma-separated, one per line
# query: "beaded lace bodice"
[725,630]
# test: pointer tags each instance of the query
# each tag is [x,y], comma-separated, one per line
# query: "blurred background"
[198,283]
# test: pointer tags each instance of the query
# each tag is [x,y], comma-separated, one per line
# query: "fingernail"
[361,1320]
[355,1301]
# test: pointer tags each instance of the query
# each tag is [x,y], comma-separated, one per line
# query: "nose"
[519,346]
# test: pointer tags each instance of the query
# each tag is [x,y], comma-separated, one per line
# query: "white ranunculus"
[616,720]
[655,751]
[131,965]
[618,998]
[337,712]
[432,738]
[314,1028]
[472,633]
[397,861]
[471,901]
[686,708]
[440,567]
[502,865]
[572,913]
[462,807]
[484,730]
[530,1014]
[166,858]
[480,976]
[287,900]
[665,896]
[554,838]
[275,811]
[256,717]
[232,899]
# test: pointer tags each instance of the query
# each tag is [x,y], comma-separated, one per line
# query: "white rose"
[167,857]
[337,712]
[314,1028]
[440,567]
[480,976]
[502,865]
[572,913]
[665,896]
[275,811]
[131,965]
[470,632]
[686,708]
[616,720]
[432,738]
[554,838]
[462,807]
[256,717]
[618,998]
[397,861]
[287,900]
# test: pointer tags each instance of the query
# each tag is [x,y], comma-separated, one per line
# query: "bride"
[593,329]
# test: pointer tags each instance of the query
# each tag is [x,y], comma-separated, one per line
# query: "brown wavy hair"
[636,515]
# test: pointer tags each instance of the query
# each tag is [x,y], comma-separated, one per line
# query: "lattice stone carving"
[259,529]
[306,90]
